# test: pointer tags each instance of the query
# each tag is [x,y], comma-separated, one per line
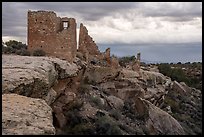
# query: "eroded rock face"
[125,73]
[26,116]
[115,102]
[153,78]
[33,76]
[158,122]
[186,107]
[178,87]
[97,74]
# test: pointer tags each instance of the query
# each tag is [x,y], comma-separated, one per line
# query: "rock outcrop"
[186,107]
[88,98]
[26,116]
[34,76]
[158,121]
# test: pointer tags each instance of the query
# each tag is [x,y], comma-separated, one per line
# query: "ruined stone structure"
[114,62]
[107,56]
[136,64]
[86,44]
[57,37]
[54,35]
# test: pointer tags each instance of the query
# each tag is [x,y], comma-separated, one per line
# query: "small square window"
[65,25]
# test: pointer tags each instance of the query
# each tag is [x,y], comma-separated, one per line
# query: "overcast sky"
[167,32]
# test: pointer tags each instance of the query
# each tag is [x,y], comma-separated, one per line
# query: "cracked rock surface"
[26,116]
[33,76]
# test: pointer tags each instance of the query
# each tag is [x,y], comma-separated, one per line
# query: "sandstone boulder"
[33,76]
[116,102]
[178,87]
[153,78]
[158,122]
[97,74]
[26,116]
[51,96]
[88,111]
[125,73]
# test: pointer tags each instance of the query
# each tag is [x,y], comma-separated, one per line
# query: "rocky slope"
[92,99]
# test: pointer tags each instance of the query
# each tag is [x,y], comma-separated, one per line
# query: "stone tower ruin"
[57,37]
[54,35]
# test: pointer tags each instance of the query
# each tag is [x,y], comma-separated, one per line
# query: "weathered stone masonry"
[55,35]
[86,44]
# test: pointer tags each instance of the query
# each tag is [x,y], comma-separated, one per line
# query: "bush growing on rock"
[115,113]
[75,105]
[23,52]
[173,104]
[84,88]
[15,47]
[123,61]
[106,126]
[96,101]
[39,52]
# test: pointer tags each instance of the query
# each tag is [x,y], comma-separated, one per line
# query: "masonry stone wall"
[46,31]
[87,46]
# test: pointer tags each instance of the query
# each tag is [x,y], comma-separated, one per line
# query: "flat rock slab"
[26,116]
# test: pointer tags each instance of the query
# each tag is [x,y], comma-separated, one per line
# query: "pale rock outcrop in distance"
[26,116]
[153,77]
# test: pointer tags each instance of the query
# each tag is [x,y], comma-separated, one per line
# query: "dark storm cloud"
[15,13]
[86,10]
[110,16]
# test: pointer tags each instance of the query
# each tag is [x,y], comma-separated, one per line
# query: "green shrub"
[106,126]
[179,75]
[173,104]
[39,52]
[16,44]
[82,129]
[84,88]
[115,113]
[96,101]
[25,53]
[15,47]
[123,61]
[8,50]
[75,105]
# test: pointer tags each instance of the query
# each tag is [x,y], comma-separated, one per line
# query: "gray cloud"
[86,10]
[134,14]
[126,27]
[15,13]
[183,10]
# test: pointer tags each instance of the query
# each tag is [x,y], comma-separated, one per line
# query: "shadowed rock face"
[26,116]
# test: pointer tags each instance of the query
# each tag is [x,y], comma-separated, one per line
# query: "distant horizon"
[192,52]
[150,52]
